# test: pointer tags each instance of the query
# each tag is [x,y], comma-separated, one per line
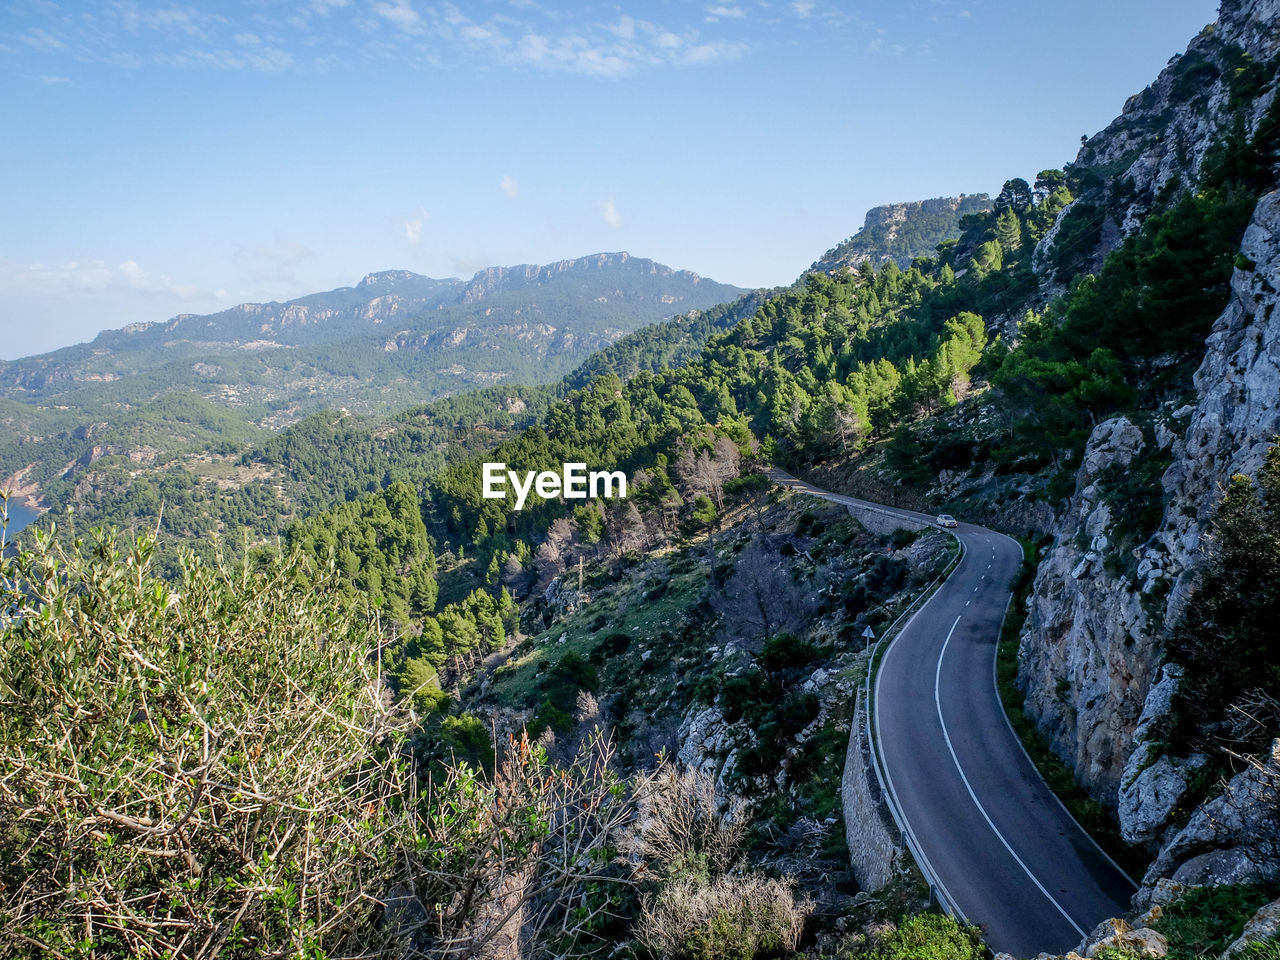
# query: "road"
[1003,849]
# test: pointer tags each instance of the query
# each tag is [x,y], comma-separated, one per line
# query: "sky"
[163,158]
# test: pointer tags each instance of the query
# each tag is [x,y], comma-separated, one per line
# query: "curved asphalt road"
[1002,847]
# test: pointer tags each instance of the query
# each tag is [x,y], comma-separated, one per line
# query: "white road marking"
[937,700]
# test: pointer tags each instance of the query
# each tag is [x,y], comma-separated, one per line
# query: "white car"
[947,520]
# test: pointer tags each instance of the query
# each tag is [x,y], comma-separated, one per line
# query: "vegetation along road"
[994,840]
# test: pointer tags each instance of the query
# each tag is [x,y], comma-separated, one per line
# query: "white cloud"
[51,81]
[399,12]
[42,40]
[509,186]
[624,28]
[802,7]
[609,212]
[92,278]
[315,35]
[413,228]
[705,53]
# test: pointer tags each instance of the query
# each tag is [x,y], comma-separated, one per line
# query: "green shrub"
[786,651]
[929,936]
[1204,921]
[178,759]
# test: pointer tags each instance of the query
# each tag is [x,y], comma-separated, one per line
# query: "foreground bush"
[927,936]
[212,769]
[189,769]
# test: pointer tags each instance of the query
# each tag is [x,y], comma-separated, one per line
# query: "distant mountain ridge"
[902,231]
[149,392]
[561,311]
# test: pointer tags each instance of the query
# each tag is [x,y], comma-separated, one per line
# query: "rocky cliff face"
[1161,138]
[1086,657]
[1090,656]
[1091,662]
[901,232]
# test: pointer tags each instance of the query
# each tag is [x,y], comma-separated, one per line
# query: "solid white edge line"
[878,508]
[995,681]
[927,867]
[937,700]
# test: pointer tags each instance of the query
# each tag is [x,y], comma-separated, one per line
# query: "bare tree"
[512,864]
[625,529]
[554,553]
[760,594]
[706,472]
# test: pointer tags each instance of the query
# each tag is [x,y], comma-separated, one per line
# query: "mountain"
[210,383]
[393,339]
[1104,595]
[903,231]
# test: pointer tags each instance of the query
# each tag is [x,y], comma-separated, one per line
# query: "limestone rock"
[1152,787]
[1233,838]
[1264,925]
[1086,661]
[1142,941]
[562,598]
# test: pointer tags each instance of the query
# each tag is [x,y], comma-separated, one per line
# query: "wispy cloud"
[323,34]
[609,213]
[400,13]
[413,228]
[802,8]
[93,278]
[508,186]
[41,39]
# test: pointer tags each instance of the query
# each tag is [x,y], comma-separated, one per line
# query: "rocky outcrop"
[884,234]
[1233,838]
[1089,655]
[1119,935]
[1263,925]
[1164,133]
[1154,783]
[1086,660]
[1237,414]
[495,279]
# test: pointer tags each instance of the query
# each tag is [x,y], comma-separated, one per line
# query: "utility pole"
[579,574]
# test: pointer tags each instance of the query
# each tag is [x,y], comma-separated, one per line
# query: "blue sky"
[168,157]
